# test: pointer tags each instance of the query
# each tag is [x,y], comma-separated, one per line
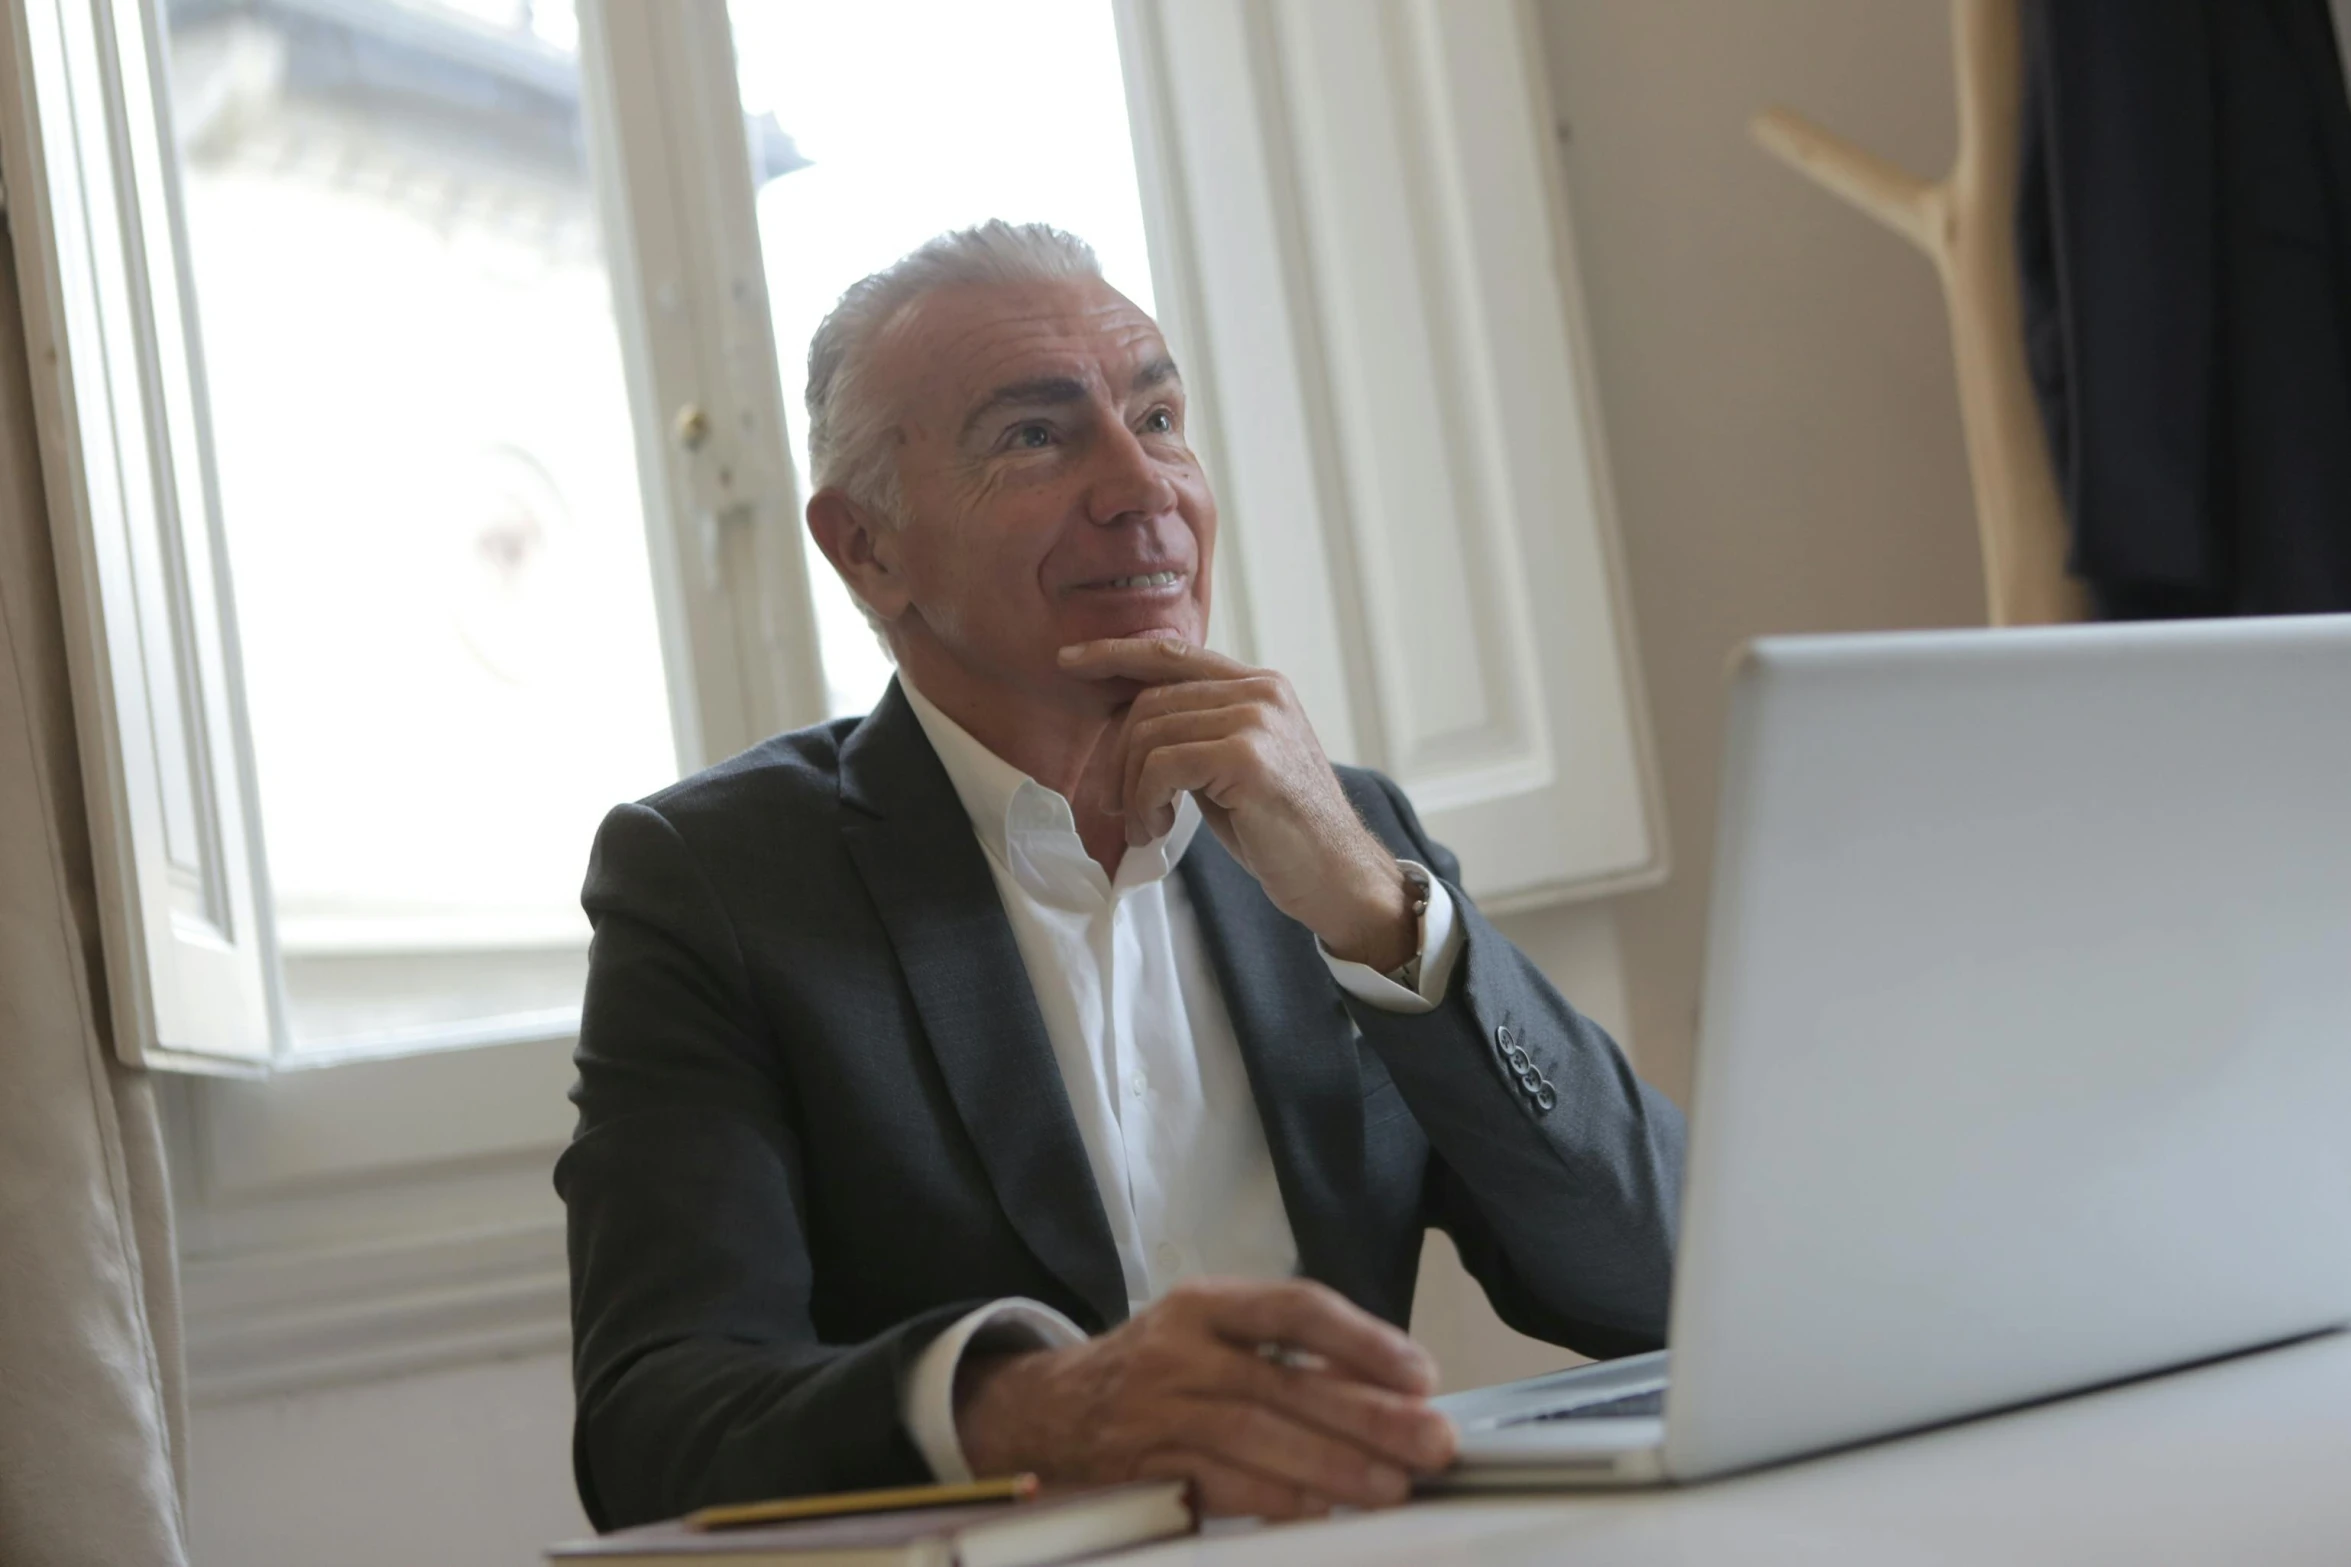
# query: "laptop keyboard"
[1650,1401]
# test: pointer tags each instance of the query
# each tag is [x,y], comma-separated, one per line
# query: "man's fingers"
[1229,1491]
[1212,767]
[1305,1315]
[1254,688]
[1152,660]
[1400,1427]
[1271,1444]
[1145,735]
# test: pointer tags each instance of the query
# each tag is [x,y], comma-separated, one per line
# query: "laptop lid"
[2025,1056]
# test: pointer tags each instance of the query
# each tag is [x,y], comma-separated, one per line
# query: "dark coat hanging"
[2184,230]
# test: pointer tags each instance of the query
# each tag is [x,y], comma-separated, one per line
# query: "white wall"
[461,1468]
[1776,390]
[1774,375]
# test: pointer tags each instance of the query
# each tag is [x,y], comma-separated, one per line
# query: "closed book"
[1059,1526]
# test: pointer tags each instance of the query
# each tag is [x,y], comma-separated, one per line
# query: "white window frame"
[1360,252]
[94,216]
[1361,215]
[673,177]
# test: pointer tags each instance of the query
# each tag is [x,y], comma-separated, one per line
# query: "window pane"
[1014,112]
[428,487]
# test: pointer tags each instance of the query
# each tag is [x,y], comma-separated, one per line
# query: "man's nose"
[1128,481]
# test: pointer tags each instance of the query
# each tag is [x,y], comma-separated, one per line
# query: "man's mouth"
[1148,579]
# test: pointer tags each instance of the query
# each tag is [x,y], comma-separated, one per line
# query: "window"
[426,484]
[418,429]
[418,384]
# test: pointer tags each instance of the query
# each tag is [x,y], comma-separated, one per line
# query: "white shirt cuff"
[1440,947]
[928,1403]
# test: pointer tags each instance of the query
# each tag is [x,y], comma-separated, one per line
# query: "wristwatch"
[1407,973]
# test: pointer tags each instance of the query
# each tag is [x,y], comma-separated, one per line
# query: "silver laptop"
[2025,1060]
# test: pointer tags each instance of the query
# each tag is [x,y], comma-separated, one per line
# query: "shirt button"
[1169,1256]
[1138,1085]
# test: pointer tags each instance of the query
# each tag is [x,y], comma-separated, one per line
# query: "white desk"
[2246,1462]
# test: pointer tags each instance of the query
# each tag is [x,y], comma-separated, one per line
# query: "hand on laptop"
[1339,1416]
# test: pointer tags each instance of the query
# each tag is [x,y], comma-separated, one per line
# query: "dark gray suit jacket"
[820,1118]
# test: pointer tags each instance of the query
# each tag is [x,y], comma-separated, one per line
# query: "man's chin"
[1147,623]
[1109,628]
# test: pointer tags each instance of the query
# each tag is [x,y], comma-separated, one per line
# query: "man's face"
[1051,496]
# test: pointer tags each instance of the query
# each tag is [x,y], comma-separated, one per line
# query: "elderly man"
[951,1102]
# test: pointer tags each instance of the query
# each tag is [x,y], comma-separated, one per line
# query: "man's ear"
[863,549]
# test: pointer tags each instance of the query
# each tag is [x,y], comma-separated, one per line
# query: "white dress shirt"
[1146,1052]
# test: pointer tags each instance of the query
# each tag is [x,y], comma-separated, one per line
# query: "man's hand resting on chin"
[1187,1388]
[1237,740]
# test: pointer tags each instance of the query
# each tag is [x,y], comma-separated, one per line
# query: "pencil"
[739,1515]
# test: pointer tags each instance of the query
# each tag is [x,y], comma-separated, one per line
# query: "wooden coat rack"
[1966,223]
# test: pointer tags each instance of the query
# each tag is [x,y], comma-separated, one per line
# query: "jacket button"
[1503,1040]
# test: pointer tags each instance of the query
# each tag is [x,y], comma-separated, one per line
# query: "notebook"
[1054,1528]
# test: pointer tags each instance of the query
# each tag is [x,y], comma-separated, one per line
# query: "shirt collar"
[1012,812]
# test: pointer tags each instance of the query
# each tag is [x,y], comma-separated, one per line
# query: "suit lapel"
[907,833]
[1299,1047]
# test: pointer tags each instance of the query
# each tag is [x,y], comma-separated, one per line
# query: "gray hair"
[851,435]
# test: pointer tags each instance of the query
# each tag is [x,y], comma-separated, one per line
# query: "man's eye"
[1159,421]
[1032,437]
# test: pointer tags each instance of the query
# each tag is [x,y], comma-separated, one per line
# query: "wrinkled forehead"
[954,348]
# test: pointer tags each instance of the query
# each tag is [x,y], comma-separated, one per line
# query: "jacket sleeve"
[699,1372]
[1559,1176]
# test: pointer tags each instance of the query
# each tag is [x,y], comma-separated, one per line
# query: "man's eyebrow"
[1156,373]
[1043,390]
